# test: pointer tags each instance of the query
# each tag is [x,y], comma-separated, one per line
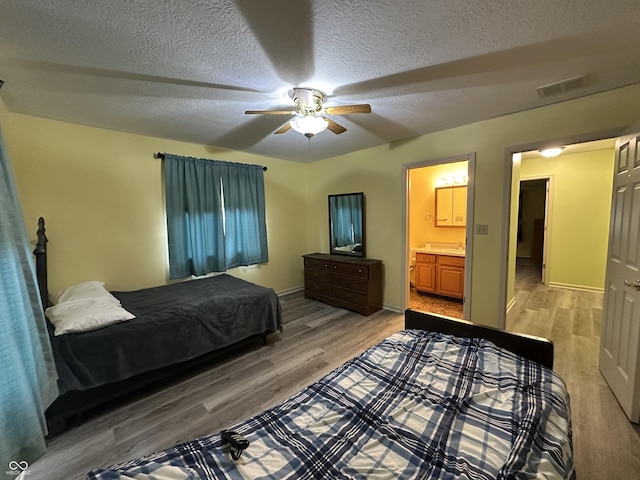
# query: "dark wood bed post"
[41,263]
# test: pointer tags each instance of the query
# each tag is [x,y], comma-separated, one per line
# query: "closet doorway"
[533,221]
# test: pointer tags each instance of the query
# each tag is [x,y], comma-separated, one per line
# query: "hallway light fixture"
[551,152]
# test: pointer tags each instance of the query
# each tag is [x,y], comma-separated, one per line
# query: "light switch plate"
[482,229]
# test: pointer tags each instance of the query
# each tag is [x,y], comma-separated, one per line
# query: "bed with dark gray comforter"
[175,324]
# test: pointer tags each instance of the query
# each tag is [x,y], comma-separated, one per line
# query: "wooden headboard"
[538,349]
[41,263]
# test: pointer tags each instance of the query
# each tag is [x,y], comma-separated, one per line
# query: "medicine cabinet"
[451,206]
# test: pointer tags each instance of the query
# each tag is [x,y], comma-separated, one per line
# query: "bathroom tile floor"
[426,302]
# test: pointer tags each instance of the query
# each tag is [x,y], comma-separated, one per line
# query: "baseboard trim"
[581,288]
[392,308]
[290,290]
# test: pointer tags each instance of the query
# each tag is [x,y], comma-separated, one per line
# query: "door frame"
[470,158]
[548,219]
[509,153]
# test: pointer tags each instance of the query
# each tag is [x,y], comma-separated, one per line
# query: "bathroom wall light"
[551,152]
[452,180]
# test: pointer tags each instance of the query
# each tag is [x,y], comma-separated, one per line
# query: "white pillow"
[85,315]
[82,291]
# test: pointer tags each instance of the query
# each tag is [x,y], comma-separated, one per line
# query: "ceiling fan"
[309,113]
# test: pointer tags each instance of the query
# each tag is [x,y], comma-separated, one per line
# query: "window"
[215,215]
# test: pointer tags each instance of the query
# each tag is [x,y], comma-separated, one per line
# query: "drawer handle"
[335,267]
[359,270]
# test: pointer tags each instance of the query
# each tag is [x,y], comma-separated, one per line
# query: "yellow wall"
[4,113]
[578,237]
[378,172]
[4,120]
[101,195]
[422,205]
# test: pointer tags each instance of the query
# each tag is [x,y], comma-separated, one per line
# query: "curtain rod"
[161,157]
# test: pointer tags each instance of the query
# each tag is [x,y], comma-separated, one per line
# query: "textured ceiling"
[188,69]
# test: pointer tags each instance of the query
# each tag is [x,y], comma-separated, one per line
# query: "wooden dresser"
[347,282]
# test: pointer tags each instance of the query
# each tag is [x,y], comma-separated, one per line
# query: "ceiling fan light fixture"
[551,152]
[309,125]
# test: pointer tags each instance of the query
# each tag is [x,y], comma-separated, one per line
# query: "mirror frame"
[333,249]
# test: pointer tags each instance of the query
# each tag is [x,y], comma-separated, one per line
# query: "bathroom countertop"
[441,250]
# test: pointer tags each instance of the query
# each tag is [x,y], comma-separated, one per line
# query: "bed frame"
[40,253]
[70,408]
[538,349]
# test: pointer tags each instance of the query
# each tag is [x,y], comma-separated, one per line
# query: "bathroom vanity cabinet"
[440,274]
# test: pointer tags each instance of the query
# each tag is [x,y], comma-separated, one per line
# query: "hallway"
[606,444]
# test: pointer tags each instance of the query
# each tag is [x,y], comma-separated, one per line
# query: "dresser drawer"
[350,269]
[319,288]
[359,298]
[348,281]
[312,275]
[317,264]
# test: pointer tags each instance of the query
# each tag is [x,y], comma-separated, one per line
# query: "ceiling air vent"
[563,86]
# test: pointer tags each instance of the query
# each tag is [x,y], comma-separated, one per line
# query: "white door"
[620,338]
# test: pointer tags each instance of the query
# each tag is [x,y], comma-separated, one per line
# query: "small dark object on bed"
[237,443]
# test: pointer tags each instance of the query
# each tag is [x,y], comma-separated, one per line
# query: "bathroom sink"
[436,250]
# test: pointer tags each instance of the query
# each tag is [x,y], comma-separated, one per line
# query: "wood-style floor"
[318,338]
[606,445]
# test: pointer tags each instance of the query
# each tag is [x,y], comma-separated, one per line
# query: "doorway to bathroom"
[437,205]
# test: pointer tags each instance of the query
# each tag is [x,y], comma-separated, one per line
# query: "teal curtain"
[194,216]
[215,215]
[244,208]
[28,380]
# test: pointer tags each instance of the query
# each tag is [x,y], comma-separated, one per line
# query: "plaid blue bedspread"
[417,405]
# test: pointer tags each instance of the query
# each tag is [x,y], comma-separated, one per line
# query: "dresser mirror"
[346,224]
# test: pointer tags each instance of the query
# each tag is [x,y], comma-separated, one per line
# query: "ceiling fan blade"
[270,112]
[348,109]
[284,128]
[335,127]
